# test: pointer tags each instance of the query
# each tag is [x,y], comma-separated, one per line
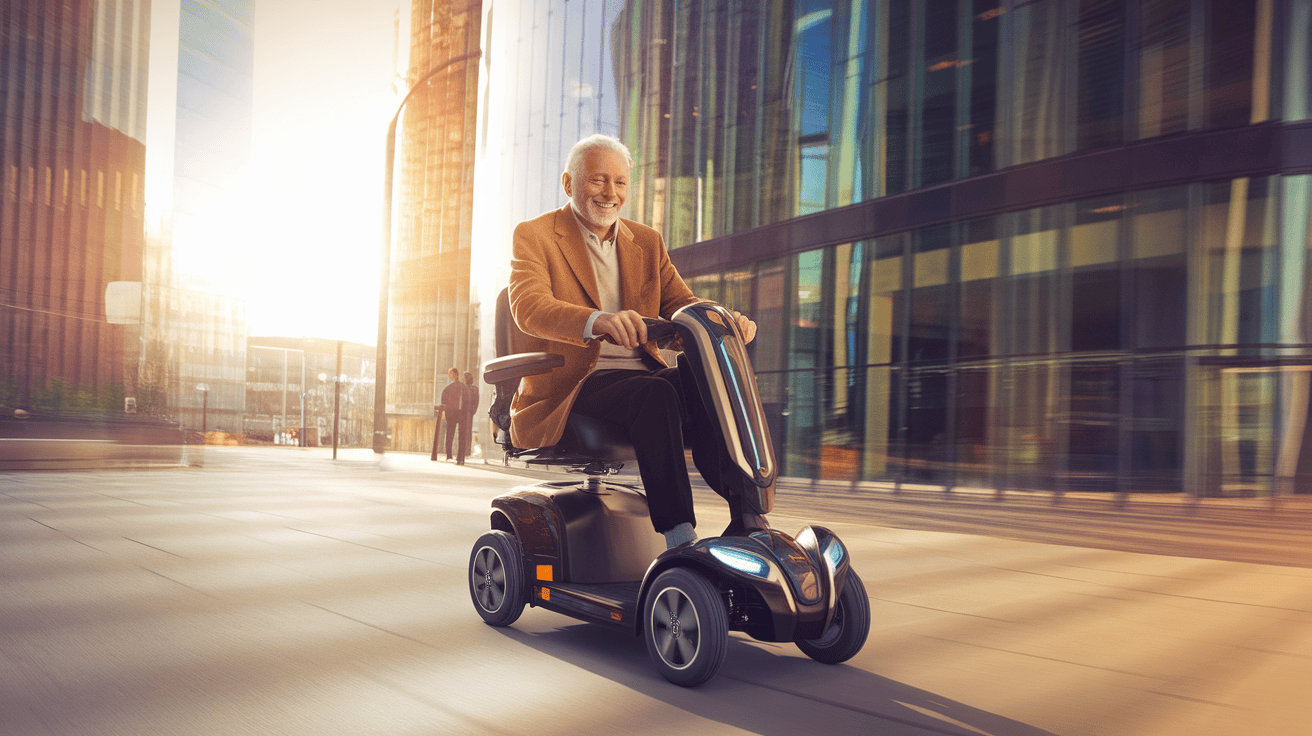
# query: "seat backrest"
[586,442]
[507,331]
[507,336]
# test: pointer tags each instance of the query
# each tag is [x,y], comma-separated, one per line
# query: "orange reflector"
[544,572]
[545,593]
[616,616]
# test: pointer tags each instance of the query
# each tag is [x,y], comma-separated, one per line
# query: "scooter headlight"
[834,552]
[741,560]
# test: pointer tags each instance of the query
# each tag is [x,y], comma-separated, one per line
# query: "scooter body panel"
[584,533]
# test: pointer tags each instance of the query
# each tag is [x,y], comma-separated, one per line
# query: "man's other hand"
[626,328]
[745,326]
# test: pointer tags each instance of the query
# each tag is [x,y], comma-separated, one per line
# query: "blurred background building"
[72,157]
[291,395]
[1051,244]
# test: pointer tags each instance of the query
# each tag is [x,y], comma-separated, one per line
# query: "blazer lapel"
[631,269]
[571,244]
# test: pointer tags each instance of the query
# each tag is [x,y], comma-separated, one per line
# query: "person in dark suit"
[580,273]
[470,407]
[453,403]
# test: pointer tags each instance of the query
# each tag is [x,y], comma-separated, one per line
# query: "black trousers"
[466,434]
[453,430]
[664,413]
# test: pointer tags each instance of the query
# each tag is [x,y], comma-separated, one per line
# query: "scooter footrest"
[613,602]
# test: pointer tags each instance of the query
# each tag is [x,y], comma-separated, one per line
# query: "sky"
[323,99]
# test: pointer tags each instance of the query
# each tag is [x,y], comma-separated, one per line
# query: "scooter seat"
[585,441]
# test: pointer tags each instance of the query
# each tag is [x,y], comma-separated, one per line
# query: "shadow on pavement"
[760,691]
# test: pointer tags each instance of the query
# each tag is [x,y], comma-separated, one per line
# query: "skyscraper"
[431,324]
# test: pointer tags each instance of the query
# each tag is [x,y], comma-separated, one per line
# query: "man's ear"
[568,183]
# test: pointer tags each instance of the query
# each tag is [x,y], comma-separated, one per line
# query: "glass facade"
[1080,346]
[1057,245]
[748,113]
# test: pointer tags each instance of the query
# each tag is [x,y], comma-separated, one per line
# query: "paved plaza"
[276,591]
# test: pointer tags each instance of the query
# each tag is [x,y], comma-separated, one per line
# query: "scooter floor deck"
[606,602]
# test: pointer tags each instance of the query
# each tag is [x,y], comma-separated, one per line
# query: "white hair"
[596,140]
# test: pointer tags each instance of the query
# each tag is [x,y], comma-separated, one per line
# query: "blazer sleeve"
[533,299]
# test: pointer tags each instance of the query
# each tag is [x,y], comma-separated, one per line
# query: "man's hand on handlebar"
[625,328]
[629,329]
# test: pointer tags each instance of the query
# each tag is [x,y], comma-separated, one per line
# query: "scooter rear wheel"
[686,627]
[847,632]
[496,578]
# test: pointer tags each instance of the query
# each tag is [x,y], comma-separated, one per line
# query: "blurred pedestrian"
[453,405]
[470,406]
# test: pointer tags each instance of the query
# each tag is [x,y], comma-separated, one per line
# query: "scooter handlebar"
[662,331]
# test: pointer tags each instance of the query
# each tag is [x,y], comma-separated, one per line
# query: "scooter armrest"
[515,367]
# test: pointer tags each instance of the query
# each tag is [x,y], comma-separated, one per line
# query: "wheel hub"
[674,626]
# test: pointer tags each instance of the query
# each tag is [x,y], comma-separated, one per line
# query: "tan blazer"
[553,291]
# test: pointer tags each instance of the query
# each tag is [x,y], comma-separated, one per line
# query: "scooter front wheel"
[496,578]
[848,630]
[686,627]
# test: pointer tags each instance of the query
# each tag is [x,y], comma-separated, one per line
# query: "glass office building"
[1058,244]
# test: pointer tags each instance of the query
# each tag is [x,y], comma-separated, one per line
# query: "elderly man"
[580,273]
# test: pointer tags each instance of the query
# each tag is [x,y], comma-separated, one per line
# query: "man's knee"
[655,394]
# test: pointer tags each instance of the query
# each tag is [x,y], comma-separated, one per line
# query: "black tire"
[496,578]
[686,627]
[848,631]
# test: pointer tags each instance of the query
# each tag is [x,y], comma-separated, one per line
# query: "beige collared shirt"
[606,267]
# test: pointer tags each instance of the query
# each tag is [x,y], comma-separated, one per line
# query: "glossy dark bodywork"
[590,532]
[710,339]
[592,554]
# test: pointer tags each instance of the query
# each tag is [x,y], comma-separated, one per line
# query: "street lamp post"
[385,271]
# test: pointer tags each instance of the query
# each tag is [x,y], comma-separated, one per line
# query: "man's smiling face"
[599,189]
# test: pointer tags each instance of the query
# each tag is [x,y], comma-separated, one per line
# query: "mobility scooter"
[587,548]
